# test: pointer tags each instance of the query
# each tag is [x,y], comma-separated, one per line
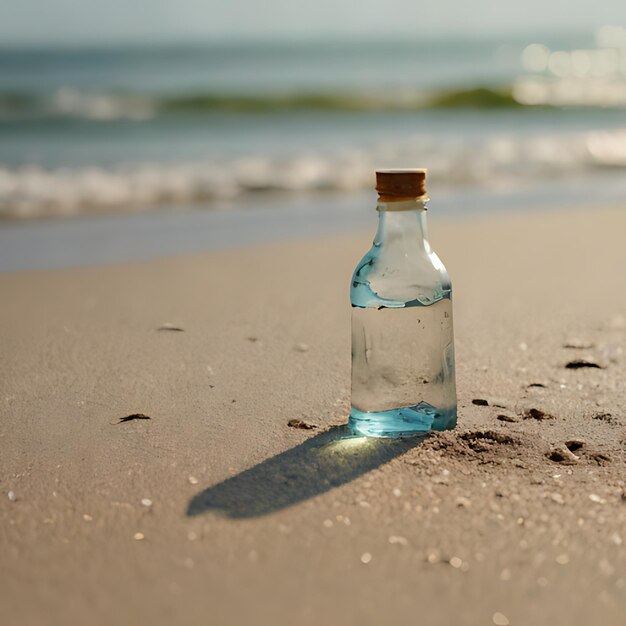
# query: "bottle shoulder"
[395,278]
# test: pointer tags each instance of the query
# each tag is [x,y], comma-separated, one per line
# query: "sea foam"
[498,161]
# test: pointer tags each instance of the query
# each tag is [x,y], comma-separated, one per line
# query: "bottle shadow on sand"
[330,459]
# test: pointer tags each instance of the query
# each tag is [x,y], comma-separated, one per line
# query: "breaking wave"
[34,191]
[107,106]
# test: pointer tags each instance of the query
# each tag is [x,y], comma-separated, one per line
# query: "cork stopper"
[401,185]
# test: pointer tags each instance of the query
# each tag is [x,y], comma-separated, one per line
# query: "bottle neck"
[402,224]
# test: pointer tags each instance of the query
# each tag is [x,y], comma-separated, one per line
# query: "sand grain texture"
[216,511]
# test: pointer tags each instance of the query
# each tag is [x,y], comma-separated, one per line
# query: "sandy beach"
[216,511]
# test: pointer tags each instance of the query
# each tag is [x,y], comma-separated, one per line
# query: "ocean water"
[141,128]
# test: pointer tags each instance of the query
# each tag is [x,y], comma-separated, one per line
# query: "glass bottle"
[403,379]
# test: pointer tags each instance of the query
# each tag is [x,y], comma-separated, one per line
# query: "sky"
[110,21]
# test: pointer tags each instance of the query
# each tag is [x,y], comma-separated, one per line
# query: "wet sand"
[216,510]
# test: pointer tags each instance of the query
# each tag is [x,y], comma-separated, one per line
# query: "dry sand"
[215,511]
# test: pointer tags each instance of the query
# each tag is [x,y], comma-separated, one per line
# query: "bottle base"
[402,422]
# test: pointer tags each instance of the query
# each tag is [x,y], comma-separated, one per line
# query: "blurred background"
[167,110]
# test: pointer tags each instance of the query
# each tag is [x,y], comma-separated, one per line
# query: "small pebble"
[139,536]
[192,536]
[616,539]
[557,497]
[456,562]
[366,557]
[328,523]
[302,347]
[499,619]
[594,497]
[87,518]
[11,495]
[397,492]
[432,558]
[399,540]
[480,402]
[193,480]
[297,423]
[463,502]
[146,502]
[563,455]
[506,418]
[582,363]
[537,414]
[170,326]
[133,416]
[562,559]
